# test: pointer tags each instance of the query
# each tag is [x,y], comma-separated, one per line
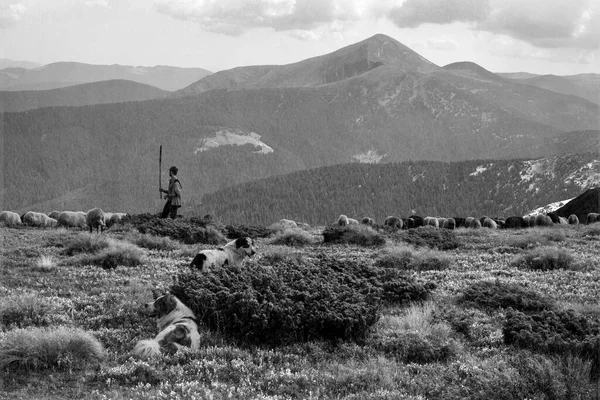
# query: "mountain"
[380,111]
[472,70]
[62,74]
[6,63]
[348,62]
[586,86]
[468,188]
[114,91]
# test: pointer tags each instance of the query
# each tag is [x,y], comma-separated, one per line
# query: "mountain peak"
[468,68]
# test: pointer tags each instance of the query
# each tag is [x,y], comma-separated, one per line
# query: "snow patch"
[370,157]
[236,137]
[587,176]
[480,169]
[549,207]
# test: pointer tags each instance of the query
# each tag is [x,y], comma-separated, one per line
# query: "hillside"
[62,74]
[586,86]
[470,188]
[582,205]
[114,91]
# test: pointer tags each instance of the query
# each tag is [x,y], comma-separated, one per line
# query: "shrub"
[152,242]
[494,295]
[545,259]
[182,230]
[43,348]
[23,310]
[429,236]
[293,237]
[320,298]
[406,258]
[86,243]
[238,231]
[118,253]
[361,235]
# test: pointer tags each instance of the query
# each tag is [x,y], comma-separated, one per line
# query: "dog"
[176,324]
[233,253]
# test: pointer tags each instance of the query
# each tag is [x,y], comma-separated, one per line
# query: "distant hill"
[114,91]
[582,205]
[470,69]
[342,64]
[586,86]
[468,188]
[62,74]
[6,63]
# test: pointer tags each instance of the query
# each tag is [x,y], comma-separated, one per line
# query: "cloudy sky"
[559,37]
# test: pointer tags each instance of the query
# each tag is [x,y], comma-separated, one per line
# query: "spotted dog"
[176,324]
[231,254]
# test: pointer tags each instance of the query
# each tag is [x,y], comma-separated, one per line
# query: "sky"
[560,37]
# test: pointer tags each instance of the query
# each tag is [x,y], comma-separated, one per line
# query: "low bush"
[85,243]
[407,258]
[152,242]
[361,235]
[296,300]
[494,295]
[118,253]
[182,230]
[545,259]
[293,237]
[49,348]
[23,310]
[429,236]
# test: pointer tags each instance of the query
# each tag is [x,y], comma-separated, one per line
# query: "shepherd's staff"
[160,172]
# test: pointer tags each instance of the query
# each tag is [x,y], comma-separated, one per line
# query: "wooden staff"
[160,172]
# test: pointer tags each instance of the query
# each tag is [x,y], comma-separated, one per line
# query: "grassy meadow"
[507,314]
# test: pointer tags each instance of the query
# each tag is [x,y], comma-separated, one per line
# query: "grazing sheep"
[38,219]
[95,219]
[117,218]
[515,222]
[474,224]
[393,222]
[573,220]
[72,219]
[563,221]
[352,221]
[449,223]
[441,221]
[489,223]
[592,217]
[54,214]
[367,221]
[460,222]
[287,223]
[431,221]
[543,220]
[303,225]
[417,221]
[342,220]
[10,218]
[554,217]
[107,217]
[499,222]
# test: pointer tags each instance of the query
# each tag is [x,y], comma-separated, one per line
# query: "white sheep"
[72,219]
[95,219]
[54,214]
[38,219]
[489,223]
[116,218]
[352,221]
[342,220]
[10,218]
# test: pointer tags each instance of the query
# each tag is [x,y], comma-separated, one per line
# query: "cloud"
[97,3]
[413,13]
[234,17]
[11,13]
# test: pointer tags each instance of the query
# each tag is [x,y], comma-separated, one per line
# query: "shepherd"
[173,195]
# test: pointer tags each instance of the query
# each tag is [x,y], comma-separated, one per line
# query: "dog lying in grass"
[176,324]
[233,253]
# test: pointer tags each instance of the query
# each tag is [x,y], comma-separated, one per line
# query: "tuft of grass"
[117,253]
[546,258]
[152,242]
[293,237]
[45,264]
[60,348]
[23,310]
[405,257]
[86,243]
[361,235]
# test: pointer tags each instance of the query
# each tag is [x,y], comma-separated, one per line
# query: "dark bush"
[545,258]
[182,230]
[494,295]
[238,231]
[413,347]
[429,236]
[557,332]
[295,300]
[361,235]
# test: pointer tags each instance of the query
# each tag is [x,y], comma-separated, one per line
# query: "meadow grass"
[68,308]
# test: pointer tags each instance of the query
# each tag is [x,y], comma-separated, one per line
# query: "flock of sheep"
[415,221]
[92,219]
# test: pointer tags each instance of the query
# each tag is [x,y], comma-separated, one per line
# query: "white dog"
[176,324]
[231,254]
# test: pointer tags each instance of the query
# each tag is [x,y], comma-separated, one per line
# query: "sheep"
[415,221]
[563,221]
[573,219]
[554,217]
[474,223]
[107,217]
[489,223]
[367,221]
[393,222]
[117,218]
[95,219]
[515,222]
[342,220]
[592,217]
[449,223]
[38,219]
[54,214]
[72,219]
[431,221]
[459,221]
[10,218]
[352,221]
[543,220]
[287,223]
